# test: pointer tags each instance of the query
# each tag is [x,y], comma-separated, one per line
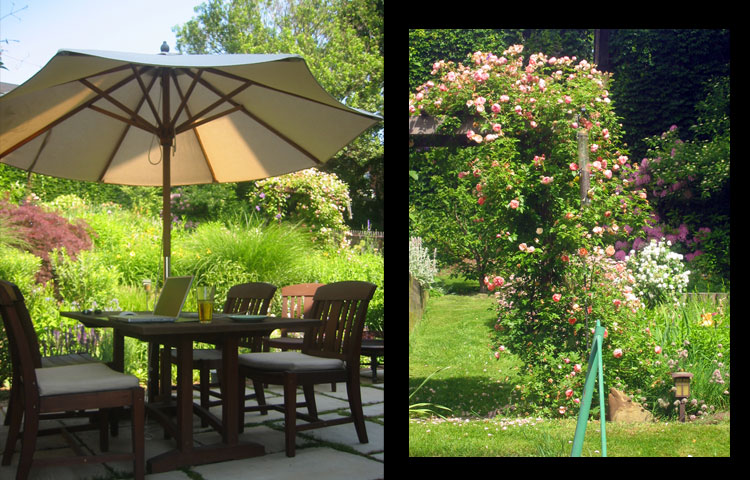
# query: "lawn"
[454,333]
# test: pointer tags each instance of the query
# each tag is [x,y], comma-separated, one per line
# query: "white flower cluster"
[660,274]
[421,266]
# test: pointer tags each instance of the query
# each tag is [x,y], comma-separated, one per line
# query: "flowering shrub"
[317,199]
[659,273]
[690,182]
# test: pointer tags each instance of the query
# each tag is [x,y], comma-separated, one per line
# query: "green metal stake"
[594,366]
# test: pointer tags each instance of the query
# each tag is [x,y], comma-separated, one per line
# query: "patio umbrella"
[165,120]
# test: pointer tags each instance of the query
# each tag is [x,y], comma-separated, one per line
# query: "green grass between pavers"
[455,332]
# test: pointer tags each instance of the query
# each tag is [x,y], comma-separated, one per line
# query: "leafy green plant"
[421,266]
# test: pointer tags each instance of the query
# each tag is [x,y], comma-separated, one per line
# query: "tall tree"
[342,43]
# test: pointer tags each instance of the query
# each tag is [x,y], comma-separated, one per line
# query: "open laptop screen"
[173,295]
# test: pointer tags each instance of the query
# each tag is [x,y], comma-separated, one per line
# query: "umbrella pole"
[166,211]
[166,138]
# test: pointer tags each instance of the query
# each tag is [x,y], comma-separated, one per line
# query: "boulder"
[623,409]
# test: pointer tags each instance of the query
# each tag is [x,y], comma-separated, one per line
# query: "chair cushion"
[289,361]
[71,359]
[86,377]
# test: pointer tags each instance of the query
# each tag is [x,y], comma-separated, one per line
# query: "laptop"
[168,306]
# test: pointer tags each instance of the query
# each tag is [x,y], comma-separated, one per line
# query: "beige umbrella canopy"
[164,120]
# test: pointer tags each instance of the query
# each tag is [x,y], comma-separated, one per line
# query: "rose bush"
[522,171]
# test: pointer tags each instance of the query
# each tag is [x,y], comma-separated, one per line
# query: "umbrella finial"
[164,47]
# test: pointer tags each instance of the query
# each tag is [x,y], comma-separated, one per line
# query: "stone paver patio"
[328,453]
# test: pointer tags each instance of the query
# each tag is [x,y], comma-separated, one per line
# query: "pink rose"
[513,204]
[573,166]
[518,109]
[546,180]
[504,98]
[608,173]
[657,349]
[497,127]
[617,353]
[569,393]
[577,368]
[556,297]
[496,108]
[497,355]
[567,99]
[481,201]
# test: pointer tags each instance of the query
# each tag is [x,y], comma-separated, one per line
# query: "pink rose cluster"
[493,283]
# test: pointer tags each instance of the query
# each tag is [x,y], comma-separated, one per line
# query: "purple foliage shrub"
[45,231]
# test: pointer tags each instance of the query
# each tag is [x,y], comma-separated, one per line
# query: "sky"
[32,31]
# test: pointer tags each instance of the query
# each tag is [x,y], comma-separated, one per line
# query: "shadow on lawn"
[465,396]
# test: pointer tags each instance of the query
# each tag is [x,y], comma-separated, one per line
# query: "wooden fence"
[374,237]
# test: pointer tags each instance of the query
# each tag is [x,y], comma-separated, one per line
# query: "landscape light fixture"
[682,390]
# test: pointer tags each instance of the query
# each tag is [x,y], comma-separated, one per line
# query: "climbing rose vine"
[555,266]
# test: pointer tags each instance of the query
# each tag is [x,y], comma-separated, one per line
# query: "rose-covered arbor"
[501,185]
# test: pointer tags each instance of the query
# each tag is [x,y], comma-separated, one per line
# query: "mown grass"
[553,438]
[454,332]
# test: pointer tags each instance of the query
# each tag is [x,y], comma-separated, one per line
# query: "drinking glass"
[205,299]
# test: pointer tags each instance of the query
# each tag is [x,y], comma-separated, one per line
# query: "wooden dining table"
[224,332]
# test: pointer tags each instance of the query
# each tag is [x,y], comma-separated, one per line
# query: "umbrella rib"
[238,106]
[145,92]
[302,97]
[124,133]
[61,119]
[188,124]
[135,120]
[184,99]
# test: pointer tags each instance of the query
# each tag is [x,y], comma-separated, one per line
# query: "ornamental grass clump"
[660,274]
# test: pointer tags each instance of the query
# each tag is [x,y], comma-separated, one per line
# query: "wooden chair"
[61,389]
[296,302]
[252,298]
[331,354]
